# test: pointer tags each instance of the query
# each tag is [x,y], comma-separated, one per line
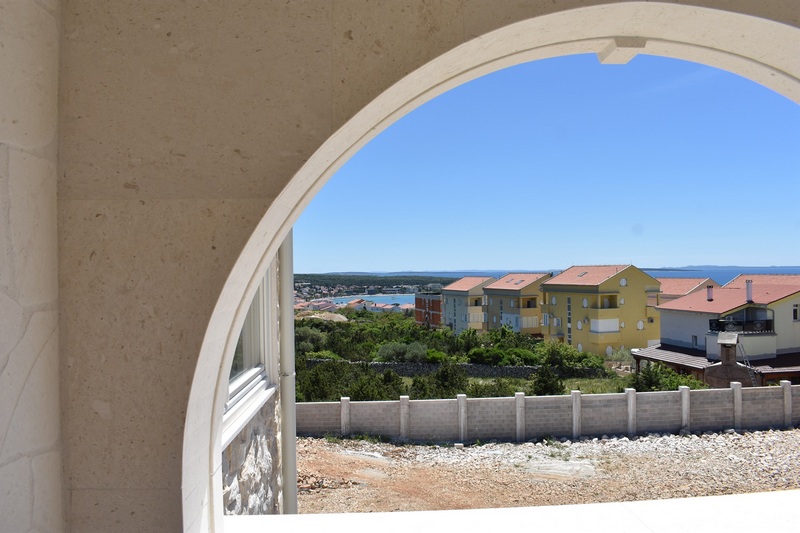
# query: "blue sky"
[566,161]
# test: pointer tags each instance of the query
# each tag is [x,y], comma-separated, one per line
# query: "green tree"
[450,379]
[659,377]
[546,382]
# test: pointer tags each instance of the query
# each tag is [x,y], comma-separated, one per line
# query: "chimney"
[749,287]
[710,293]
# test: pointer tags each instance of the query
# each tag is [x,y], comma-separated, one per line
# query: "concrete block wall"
[711,410]
[318,418]
[548,416]
[535,417]
[762,407]
[795,406]
[604,414]
[658,412]
[433,420]
[375,418]
[491,418]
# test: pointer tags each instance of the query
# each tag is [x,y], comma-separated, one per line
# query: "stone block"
[32,221]
[16,498]
[29,46]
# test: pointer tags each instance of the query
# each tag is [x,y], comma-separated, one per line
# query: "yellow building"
[515,301]
[601,309]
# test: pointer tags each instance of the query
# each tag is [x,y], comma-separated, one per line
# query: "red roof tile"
[514,282]
[586,275]
[681,286]
[763,279]
[467,283]
[727,299]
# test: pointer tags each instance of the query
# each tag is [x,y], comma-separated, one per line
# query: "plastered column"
[736,388]
[630,396]
[345,416]
[31,496]
[405,417]
[519,410]
[686,408]
[786,385]
[463,433]
[576,414]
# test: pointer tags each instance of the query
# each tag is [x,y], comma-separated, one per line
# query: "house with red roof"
[601,308]
[514,301]
[673,288]
[762,316]
[464,303]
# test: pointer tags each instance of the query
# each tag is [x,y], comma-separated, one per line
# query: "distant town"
[748,327]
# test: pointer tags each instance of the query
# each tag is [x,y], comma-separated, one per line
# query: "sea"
[720,274]
[399,299]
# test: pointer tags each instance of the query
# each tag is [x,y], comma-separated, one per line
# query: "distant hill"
[366,279]
[721,274]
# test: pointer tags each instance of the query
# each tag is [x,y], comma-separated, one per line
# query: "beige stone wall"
[30,429]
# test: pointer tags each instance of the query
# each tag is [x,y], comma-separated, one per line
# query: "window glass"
[238,359]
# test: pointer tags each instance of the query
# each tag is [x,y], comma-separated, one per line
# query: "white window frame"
[257,383]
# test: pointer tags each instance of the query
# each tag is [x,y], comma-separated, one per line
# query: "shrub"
[659,377]
[546,382]
[497,388]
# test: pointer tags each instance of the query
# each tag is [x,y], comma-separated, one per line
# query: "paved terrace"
[741,512]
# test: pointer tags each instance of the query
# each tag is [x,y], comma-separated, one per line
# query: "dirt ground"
[360,476]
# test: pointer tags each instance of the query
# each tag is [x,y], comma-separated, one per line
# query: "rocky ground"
[337,476]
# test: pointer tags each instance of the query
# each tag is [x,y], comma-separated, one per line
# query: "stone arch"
[762,50]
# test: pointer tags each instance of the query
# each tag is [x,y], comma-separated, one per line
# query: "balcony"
[600,313]
[742,326]
[605,338]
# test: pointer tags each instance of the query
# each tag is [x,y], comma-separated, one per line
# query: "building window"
[694,341]
[796,312]
[552,300]
[254,370]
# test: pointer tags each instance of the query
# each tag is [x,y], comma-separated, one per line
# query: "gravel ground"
[361,476]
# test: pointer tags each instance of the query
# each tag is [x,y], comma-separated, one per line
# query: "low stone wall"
[251,481]
[523,418]
[474,371]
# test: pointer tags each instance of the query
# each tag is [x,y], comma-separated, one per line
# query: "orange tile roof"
[513,282]
[467,283]
[586,275]
[727,299]
[763,279]
[676,286]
